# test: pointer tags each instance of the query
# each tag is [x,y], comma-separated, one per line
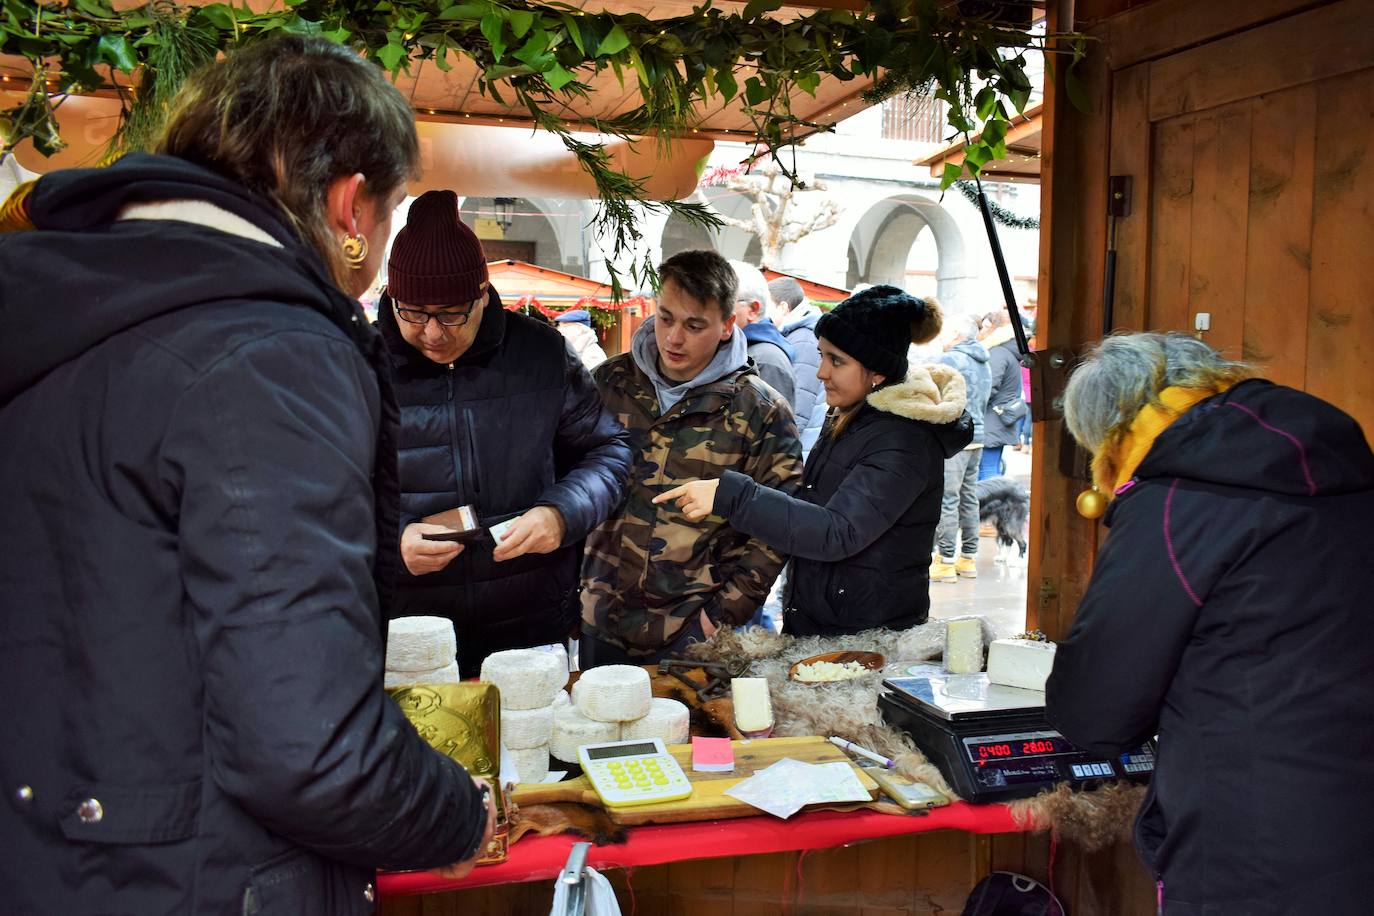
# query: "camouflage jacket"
[648,570]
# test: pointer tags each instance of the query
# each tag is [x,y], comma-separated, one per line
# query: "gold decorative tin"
[463,722]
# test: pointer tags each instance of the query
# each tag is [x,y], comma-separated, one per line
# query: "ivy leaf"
[473,12]
[977,155]
[520,22]
[492,25]
[557,77]
[96,9]
[726,85]
[339,35]
[218,15]
[115,50]
[441,57]
[985,102]
[1076,91]
[951,174]
[755,8]
[615,41]
[755,93]
[808,82]
[574,32]
[533,52]
[392,53]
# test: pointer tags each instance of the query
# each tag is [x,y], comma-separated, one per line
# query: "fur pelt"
[850,709]
[935,393]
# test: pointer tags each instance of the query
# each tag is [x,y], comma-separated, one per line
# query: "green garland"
[545,55]
[999,213]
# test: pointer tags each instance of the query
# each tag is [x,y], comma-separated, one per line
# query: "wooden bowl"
[873,661]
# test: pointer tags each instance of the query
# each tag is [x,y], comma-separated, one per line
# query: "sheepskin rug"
[849,709]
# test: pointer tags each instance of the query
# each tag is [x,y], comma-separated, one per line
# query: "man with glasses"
[498,414]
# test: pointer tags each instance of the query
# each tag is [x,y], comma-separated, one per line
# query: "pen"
[862,752]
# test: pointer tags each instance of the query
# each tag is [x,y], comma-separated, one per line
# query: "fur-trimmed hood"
[934,393]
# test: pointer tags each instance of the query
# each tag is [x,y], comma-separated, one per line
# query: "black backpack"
[1005,893]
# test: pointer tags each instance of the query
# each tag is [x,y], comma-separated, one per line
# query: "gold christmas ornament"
[1091,503]
[355,250]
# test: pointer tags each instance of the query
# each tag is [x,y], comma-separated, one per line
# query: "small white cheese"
[572,729]
[1024,663]
[613,693]
[420,643]
[527,678]
[753,706]
[668,720]
[522,729]
[964,645]
[446,675]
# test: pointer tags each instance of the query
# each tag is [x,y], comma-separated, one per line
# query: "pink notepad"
[712,755]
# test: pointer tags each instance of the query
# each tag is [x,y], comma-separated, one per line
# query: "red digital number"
[994,750]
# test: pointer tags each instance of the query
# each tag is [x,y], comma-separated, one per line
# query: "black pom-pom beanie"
[876,326]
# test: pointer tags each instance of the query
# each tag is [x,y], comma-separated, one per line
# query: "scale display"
[993,743]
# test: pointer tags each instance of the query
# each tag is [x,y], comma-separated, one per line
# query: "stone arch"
[882,238]
[540,222]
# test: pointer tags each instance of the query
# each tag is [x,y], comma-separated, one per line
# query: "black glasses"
[449,318]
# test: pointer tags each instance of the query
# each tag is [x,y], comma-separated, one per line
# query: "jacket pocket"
[134,815]
[300,883]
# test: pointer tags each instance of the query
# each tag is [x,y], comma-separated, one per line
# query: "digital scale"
[993,743]
[626,773]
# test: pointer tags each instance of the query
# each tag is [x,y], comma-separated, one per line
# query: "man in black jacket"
[498,413]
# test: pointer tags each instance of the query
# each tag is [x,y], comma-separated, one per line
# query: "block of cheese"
[613,693]
[964,645]
[527,678]
[522,729]
[667,719]
[753,705]
[531,762]
[1020,662]
[448,674]
[561,698]
[572,729]
[420,643]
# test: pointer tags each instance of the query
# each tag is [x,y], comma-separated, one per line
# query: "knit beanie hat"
[436,259]
[876,326]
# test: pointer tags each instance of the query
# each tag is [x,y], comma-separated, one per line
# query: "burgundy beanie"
[436,259]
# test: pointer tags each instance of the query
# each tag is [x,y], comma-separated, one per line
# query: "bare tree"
[777,215]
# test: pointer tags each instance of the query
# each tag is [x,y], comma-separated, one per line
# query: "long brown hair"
[287,116]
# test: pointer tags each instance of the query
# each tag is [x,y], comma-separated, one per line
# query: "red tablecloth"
[539,858]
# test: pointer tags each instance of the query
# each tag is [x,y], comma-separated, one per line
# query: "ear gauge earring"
[354,250]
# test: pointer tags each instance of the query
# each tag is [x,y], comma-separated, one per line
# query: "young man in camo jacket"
[695,407]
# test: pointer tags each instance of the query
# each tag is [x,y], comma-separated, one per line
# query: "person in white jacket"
[576,327]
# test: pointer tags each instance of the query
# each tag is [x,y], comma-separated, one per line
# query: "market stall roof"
[1022,162]
[816,292]
[515,279]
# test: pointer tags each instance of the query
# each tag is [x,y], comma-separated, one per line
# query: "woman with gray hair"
[1225,617]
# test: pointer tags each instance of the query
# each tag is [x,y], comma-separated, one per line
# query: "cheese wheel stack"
[616,703]
[530,682]
[420,650]
[667,720]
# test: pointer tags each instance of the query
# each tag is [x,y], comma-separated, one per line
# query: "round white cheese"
[522,729]
[445,675]
[532,762]
[571,729]
[667,719]
[527,678]
[613,693]
[420,643]
[561,698]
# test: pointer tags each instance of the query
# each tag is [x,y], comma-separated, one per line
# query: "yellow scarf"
[14,212]
[1116,463]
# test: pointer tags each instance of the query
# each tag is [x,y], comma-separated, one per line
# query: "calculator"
[626,773]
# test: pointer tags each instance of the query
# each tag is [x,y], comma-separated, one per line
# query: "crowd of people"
[230,480]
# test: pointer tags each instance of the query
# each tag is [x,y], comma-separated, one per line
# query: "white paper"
[787,786]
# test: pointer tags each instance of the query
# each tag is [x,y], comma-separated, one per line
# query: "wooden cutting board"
[708,800]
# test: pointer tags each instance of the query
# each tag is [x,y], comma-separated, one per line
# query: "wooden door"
[1253,163]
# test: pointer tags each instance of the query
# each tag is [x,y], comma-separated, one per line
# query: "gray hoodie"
[731,356]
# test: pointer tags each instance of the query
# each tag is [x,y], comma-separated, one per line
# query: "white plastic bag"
[600,898]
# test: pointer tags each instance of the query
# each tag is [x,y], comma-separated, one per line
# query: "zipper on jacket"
[449,378]
[1159,896]
[474,463]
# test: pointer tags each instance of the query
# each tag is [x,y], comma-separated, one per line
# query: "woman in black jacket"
[198,471]
[1228,613]
[860,531]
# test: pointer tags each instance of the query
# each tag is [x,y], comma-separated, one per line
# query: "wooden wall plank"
[1151,30]
[1324,42]
[1278,254]
[1171,219]
[1219,222]
[1130,156]
[1340,342]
